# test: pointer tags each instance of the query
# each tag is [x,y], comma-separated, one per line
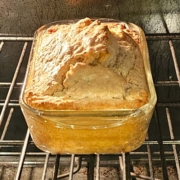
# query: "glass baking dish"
[90,131]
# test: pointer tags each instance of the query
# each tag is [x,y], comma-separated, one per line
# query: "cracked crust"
[86,66]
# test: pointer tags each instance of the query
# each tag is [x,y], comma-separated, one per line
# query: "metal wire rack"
[158,157]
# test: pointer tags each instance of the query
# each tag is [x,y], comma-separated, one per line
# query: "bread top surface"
[88,65]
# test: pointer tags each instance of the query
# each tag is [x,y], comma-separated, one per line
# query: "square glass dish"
[88,131]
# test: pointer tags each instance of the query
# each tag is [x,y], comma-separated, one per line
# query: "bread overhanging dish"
[88,87]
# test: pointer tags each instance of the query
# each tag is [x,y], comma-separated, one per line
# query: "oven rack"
[158,157]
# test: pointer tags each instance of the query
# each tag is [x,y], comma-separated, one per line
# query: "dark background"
[25,16]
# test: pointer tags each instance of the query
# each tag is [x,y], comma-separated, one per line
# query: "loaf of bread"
[85,85]
[87,65]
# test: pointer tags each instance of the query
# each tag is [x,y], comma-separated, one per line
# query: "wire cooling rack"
[157,158]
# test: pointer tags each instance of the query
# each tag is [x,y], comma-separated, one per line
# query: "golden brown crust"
[86,66]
